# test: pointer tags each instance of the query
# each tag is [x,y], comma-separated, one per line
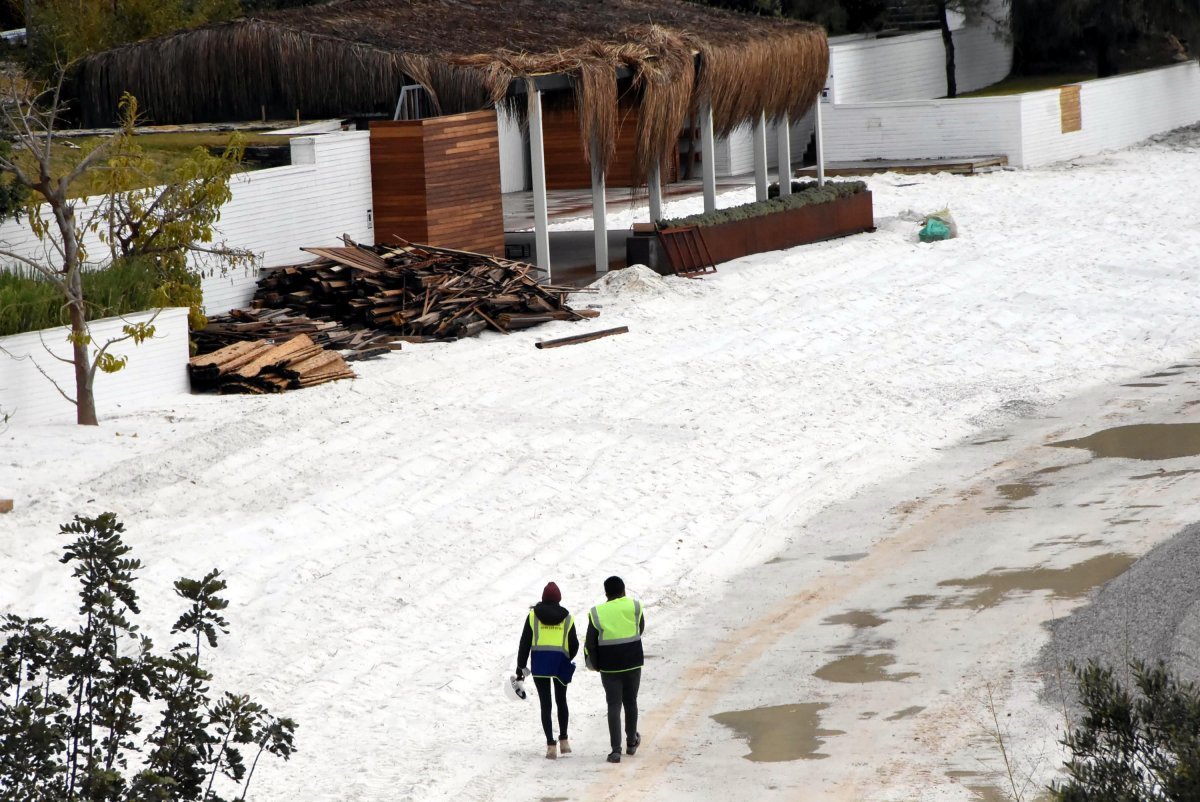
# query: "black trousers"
[620,690]
[560,698]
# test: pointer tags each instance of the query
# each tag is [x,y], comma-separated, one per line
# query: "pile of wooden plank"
[281,324]
[265,366]
[420,292]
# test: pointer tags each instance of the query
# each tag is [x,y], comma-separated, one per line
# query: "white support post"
[537,155]
[599,213]
[654,188]
[783,152]
[708,158]
[759,138]
[820,145]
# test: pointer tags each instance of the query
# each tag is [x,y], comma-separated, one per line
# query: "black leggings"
[560,698]
[621,690]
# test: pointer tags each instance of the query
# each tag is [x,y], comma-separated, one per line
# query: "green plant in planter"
[805,193]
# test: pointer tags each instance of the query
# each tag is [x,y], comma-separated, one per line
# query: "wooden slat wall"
[566,168]
[1071,110]
[437,181]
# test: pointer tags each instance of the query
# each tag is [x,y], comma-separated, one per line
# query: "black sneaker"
[614,757]
[631,747]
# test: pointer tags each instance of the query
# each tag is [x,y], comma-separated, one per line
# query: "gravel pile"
[1151,613]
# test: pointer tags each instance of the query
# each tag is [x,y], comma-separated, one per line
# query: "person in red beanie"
[549,635]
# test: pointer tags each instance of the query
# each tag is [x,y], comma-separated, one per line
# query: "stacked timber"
[420,292]
[282,324]
[264,366]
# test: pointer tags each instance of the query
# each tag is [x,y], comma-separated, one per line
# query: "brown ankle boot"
[564,746]
[551,751]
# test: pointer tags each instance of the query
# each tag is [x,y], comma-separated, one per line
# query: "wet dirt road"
[889,653]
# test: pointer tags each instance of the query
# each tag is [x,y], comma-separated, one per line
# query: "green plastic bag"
[934,230]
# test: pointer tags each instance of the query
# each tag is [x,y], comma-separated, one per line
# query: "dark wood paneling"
[437,181]
[566,167]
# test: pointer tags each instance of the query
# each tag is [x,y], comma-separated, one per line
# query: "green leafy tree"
[62,31]
[96,714]
[172,224]
[1139,744]
[1052,32]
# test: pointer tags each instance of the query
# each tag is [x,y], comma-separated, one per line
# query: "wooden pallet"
[686,251]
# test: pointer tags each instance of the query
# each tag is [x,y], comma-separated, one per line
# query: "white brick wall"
[735,153]
[923,129]
[913,66]
[1117,112]
[324,193]
[156,371]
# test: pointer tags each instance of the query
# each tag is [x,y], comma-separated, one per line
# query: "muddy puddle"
[1004,439]
[847,558]
[1162,374]
[907,712]
[1019,490]
[860,668]
[1144,384]
[916,602]
[1166,474]
[988,590]
[1145,441]
[859,619]
[781,733]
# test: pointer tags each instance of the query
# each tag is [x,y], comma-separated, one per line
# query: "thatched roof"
[352,56]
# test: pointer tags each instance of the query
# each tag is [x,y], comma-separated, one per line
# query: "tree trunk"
[948,42]
[85,400]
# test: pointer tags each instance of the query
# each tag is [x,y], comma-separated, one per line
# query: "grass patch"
[28,302]
[1019,84]
[166,150]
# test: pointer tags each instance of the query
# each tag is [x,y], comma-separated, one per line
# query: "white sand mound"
[634,281]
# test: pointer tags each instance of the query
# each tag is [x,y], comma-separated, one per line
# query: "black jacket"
[547,613]
[621,657]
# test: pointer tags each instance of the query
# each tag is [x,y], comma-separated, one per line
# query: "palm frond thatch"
[352,57]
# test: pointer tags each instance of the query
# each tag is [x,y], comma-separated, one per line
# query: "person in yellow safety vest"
[613,646]
[549,634]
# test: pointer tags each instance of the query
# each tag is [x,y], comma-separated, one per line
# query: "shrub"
[1133,745]
[805,193]
[96,714]
[28,302]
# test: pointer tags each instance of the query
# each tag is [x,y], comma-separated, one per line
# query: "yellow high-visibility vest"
[617,621]
[550,637]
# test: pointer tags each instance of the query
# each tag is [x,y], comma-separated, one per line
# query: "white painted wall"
[735,153]
[913,66]
[864,70]
[324,193]
[923,129]
[156,371]
[1117,112]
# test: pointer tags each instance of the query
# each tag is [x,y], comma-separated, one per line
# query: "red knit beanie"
[551,593]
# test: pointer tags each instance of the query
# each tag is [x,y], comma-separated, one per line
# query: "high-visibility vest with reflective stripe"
[550,637]
[617,621]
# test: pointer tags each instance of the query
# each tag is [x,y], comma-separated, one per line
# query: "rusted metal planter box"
[787,229]
[771,232]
